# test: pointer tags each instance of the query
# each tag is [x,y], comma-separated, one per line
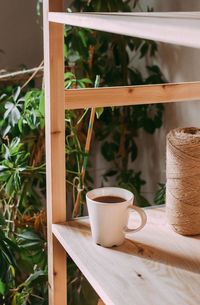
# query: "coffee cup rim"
[107,189]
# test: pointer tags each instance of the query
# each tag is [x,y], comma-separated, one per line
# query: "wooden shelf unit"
[154,266]
[166,263]
[179,28]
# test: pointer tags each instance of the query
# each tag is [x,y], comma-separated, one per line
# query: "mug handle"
[143,219]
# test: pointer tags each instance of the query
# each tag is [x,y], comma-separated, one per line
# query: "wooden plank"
[131,95]
[155,266]
[55,149]
[182,29]
[170,15]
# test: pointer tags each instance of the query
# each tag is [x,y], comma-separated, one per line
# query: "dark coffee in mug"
[109,199]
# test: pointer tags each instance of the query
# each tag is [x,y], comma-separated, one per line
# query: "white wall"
[20,34]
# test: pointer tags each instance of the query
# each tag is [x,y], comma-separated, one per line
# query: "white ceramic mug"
[109,220]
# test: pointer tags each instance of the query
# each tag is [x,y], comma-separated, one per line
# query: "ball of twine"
[183,180]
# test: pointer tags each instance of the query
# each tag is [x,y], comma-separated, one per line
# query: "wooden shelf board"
[131,95]
[172,27]
[155,266]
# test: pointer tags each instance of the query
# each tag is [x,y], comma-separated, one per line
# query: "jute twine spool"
[183,180]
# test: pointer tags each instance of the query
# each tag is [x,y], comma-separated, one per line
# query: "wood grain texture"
[170,28]
[131,95]
[155,266]
[55,148]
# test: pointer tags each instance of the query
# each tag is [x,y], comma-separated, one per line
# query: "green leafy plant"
[22,191]
[119,144]
[22,197]
[7,262]
[33,290]
[115,58]
[160,195]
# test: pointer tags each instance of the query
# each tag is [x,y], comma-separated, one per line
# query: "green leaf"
[144,49]
[9,106]
[17,93]
[65,50]
[28,98]
[68,84]
[5,151]
[109,150]
[29,245]
[8,164]
[80,84]
[15,142]
[99,112]
[2,167]
[2,287]
[12,113]
[3,96]
[14,300]
[17,180]
[69,75]
[4,176]
[20,124]
[29,235]
[154,69]
[6,130]
[83,37]
[35,276]
[41,104]
[11,267]
[97,81]
[9,185]
[160,195]
[134,151]
[73,57]
[149,125]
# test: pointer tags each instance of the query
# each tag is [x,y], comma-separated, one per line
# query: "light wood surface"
[167,27]
[131,95]
[155,266]
[169,15]
[55,149]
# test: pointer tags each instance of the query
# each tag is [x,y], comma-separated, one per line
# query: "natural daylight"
[99,152]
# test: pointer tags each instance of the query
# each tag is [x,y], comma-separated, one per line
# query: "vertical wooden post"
[55,148]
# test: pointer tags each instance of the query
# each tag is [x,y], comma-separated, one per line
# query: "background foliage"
[119,61]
